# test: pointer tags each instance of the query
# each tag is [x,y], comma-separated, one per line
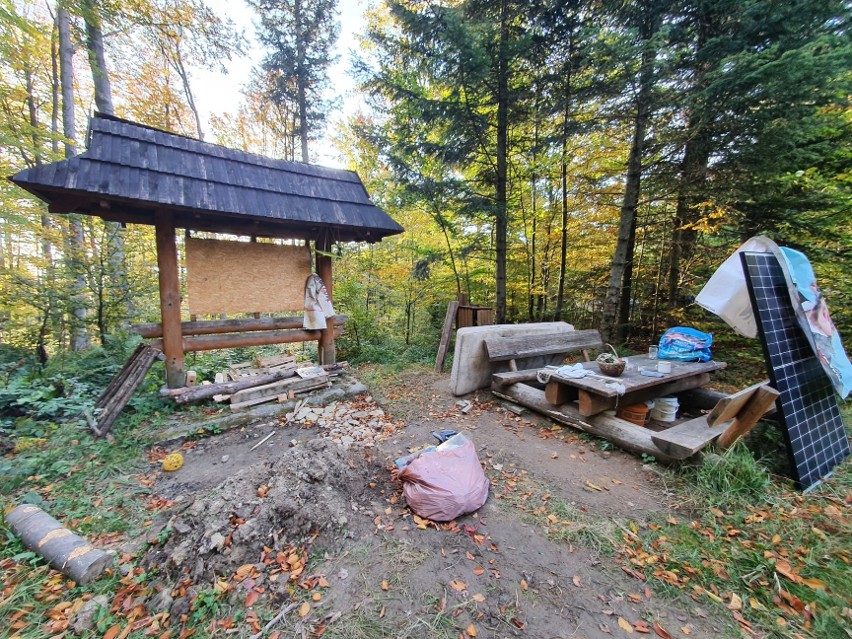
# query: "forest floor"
[536,560]
[577,539]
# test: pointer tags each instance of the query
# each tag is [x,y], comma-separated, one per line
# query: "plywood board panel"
[244,277]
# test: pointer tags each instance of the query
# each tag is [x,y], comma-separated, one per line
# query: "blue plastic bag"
[684,344]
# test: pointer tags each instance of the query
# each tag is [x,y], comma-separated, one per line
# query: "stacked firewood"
[279,378]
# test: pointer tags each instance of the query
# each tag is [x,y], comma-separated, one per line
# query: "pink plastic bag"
[446,482]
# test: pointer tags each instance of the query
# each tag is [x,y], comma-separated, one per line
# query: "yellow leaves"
[576,580]
[736,602]
[471,630]
[317,596]
[458,585]
[385,585]
[478,597]
[243,571]
[625,625]
[304,609]
[593,486]
[524,585]
[421,523]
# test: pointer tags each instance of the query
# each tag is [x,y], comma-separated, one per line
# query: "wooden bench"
[731,418]
[510,349]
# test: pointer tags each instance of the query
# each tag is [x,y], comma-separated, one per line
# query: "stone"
[471,368]
[84,620]
[161,602]
[225,458]
[179,607]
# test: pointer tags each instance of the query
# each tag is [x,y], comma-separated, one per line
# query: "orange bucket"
[638,414]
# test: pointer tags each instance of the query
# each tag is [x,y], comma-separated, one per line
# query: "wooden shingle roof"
[129,171]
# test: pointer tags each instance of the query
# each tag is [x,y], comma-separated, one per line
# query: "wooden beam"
[592,404]
[446,335]
[557,393]
[501,380]
[761,401]
[731,405]
[210,327]
[167,263]
[325,347]
[195,343]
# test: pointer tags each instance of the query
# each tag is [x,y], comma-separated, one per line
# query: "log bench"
[509,349]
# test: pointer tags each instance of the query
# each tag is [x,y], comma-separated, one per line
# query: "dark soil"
[537,560]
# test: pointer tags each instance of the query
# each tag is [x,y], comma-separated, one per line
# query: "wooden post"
[167,263]
[325,348]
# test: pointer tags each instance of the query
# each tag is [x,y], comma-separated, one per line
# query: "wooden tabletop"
[631,378]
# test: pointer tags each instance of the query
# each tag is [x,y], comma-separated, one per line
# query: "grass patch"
[775,560]
[558,519]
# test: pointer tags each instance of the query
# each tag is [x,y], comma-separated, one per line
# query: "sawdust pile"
[314,488]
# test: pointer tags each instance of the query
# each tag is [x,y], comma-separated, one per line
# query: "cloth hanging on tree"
[318,306]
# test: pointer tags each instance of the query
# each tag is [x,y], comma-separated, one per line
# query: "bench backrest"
[501,349]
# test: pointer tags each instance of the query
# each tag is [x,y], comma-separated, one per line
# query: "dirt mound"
[311,489]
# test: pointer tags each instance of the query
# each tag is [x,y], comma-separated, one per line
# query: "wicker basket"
[613,369]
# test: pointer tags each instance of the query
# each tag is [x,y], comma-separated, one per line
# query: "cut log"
[68,553]
[592,404]
[501,380]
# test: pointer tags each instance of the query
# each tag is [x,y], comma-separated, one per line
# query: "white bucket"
[665,409]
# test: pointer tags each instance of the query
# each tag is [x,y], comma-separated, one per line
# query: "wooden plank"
[686,439]
[730,406]
[507,348]
[446,333]
[274,389]
[763,398]
[624,434]
[236,340]
[592,403]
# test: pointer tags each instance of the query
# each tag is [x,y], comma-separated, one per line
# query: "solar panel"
[810,415]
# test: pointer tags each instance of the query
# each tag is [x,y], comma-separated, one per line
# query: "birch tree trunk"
[74,234]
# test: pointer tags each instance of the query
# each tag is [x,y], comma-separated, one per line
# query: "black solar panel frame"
[814,432]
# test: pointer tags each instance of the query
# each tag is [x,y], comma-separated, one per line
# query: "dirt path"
[536,561]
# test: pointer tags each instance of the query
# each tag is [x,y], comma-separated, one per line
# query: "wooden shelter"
[131,173]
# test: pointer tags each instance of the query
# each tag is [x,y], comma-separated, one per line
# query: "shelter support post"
[167,263]
[326,349]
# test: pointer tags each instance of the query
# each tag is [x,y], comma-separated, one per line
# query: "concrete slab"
[471,368]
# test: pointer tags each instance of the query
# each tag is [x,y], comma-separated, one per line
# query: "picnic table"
[597,392]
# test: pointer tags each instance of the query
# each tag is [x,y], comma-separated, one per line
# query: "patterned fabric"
[318,306]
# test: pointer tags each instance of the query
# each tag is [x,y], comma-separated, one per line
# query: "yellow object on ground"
[172,462]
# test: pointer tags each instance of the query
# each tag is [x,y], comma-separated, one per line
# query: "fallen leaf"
[642,627]
[112,633]
[520,625]
[470,556]
[382,612]
[576,580]
[251,598]
[661,632]
[458,585]
[524,585]
[593,486]
[814,583]
[385,585]
[471,630]
[262,490]
[316,596]
[478,570]
[736,602]
[304,609]
[625,625]
[478,597]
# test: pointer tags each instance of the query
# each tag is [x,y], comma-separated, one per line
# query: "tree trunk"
[74,237]
[97,58]
[501,224]
[616,309]
[301,79]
